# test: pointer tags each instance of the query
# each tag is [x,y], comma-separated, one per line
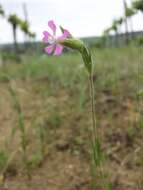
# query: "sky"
[81,17]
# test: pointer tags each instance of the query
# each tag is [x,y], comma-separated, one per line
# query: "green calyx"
[81,47]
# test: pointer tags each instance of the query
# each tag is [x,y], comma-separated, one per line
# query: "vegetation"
[53,95]
[49,120]
[126,19]
[138,5]
[24,25]
[15,22]
[1,11]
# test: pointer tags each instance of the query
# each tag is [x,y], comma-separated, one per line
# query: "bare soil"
[66,165]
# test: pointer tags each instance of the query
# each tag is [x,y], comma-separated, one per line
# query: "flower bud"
[81,47]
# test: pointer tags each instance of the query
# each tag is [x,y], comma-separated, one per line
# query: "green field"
[53,93]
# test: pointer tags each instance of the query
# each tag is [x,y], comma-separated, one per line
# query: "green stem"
[97,158]
[94,127]
[21,127]
[87,59]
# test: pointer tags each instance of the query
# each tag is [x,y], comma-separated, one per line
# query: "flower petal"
[46,37]
[52,25]
[58,50]
[49,49]
[65,35]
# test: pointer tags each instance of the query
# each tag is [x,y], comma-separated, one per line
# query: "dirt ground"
[66,165]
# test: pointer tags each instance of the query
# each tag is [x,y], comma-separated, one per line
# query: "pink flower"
[54,47]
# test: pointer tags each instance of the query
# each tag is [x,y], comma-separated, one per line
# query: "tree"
[106,36]
[15,22]
[126,22]
[129,12]
[115,27]
[1,11]
[32,35]
[138,5]
[24,26]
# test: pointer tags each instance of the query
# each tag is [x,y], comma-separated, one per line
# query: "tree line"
[16,22]
[129,11]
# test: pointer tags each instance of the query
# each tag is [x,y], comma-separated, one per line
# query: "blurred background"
[82,18]
[45,108]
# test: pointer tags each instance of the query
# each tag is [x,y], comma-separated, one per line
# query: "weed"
[21,125]
[5,161]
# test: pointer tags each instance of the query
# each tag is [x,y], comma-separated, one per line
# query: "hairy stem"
[96,149]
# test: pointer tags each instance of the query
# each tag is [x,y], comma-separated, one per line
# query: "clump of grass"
[41,136]
[21,125]
[5,161]
[139,98]
[35,161]
[54,120]
[41,152]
